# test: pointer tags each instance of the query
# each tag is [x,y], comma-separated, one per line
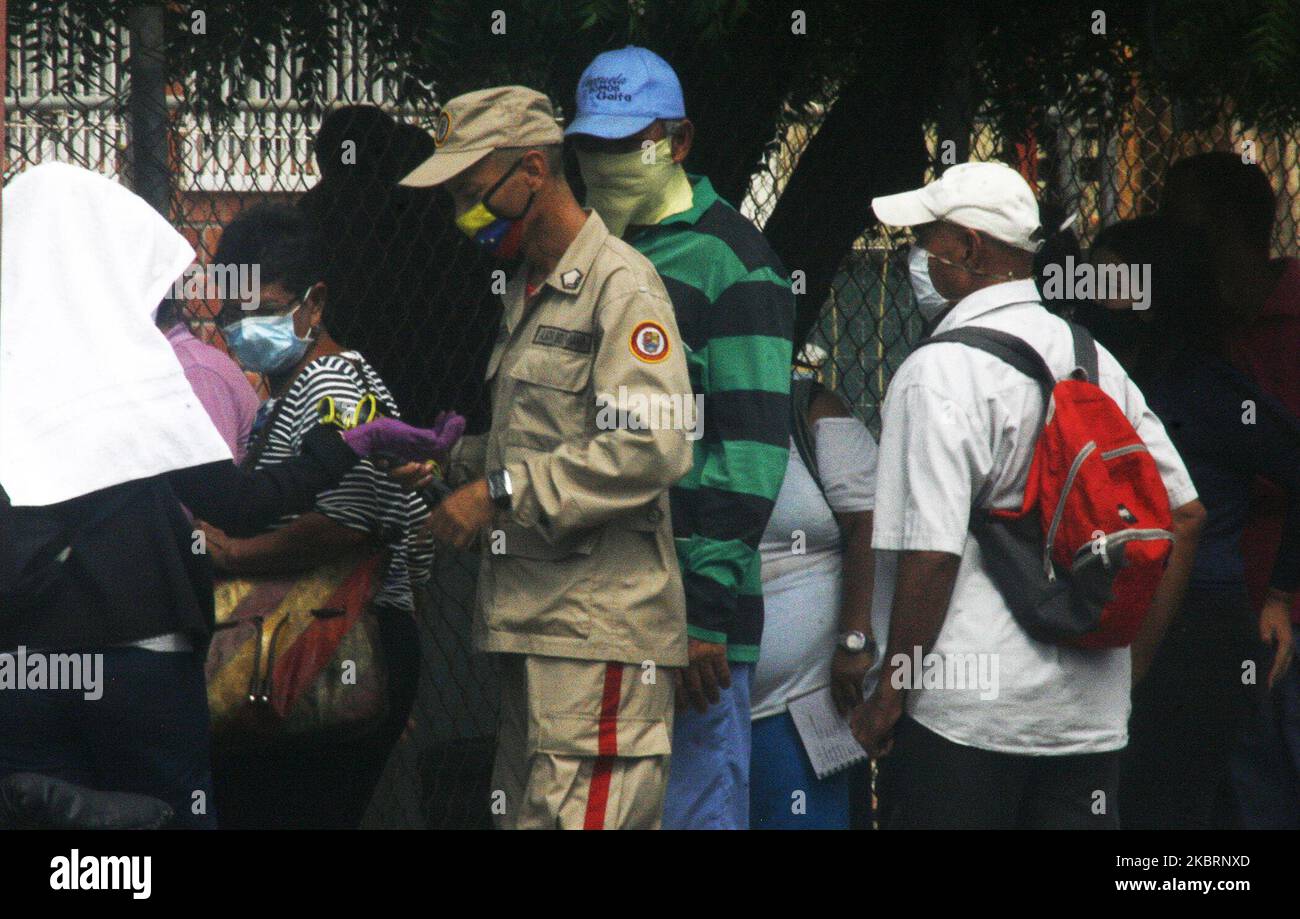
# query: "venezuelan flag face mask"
[498,235]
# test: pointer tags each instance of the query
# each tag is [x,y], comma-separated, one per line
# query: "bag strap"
[258,447]
[1020,355]
[802,393]
[1085,353]
[1005,347]
[355,366]
[359,377]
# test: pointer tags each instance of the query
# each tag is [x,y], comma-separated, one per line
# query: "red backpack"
[1079,562]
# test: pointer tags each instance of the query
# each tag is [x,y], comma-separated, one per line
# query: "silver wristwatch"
[857,643]
[499,490]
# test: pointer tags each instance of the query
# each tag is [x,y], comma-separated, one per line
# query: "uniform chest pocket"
[553,368]
[548,398]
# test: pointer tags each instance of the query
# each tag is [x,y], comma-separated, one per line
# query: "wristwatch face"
[498,483]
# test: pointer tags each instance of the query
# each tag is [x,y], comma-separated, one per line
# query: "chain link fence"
[868,324]
[410,293]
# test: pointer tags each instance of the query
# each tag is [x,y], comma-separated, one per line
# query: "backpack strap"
[1005,347]
[802,393]
[259,443]
[1085,353]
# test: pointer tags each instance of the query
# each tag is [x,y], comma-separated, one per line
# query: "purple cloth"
[400,440]
[226,395]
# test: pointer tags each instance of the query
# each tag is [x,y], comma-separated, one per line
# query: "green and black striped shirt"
[735,312]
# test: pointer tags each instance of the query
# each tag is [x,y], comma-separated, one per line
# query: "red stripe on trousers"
[598,792]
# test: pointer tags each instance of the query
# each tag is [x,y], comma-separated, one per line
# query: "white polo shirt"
[958,432]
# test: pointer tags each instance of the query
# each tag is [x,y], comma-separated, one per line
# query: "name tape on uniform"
[569,339]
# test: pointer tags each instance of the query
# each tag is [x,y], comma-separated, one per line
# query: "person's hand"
[217,545]
[462,515]
[848,670]
[873,721]
[404,442]
[450,427]
[705,676]
[413,476]
[1275,631]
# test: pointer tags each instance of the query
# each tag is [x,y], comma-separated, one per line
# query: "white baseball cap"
[989,197]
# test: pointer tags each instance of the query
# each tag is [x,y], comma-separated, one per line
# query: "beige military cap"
[471,126]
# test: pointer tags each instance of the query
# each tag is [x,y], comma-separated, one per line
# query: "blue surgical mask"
[929,302]
[266,344]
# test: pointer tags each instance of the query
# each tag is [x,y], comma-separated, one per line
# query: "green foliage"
[1032,57]
[1209,54]
[74,35]
[1027,56]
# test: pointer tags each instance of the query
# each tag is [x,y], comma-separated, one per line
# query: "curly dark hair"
[283,241]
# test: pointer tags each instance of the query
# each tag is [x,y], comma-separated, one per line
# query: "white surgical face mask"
[929,301]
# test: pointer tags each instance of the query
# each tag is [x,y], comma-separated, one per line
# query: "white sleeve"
[846,461]
[933,459]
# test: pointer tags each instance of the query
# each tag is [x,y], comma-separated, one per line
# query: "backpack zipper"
[257,657]
[1121,451]
[1119,537]
[1060,508]
[270,657]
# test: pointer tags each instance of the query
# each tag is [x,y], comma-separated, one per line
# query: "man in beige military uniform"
[579,590]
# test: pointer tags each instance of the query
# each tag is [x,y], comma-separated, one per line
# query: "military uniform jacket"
[591,404]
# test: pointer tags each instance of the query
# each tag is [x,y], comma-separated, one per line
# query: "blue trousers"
[148,733]
[784,791]
[708,779]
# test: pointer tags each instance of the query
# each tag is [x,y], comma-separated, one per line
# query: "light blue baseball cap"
[623,91]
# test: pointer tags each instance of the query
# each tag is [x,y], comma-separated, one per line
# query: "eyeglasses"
[265,307]
[496,186]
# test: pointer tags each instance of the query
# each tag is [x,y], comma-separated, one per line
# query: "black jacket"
[136,574]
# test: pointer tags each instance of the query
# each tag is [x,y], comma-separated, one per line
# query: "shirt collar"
[571,271]
[569,274]
[987,299]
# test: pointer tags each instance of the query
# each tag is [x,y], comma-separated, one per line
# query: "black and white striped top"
[365,499]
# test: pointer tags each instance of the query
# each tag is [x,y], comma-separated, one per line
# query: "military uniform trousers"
[581,744]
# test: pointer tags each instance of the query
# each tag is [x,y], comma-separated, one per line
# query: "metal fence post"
[4,143]
[147,152]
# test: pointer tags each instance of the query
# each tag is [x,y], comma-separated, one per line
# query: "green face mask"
[635,187]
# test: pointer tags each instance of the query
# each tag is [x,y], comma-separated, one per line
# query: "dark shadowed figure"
[406,288]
